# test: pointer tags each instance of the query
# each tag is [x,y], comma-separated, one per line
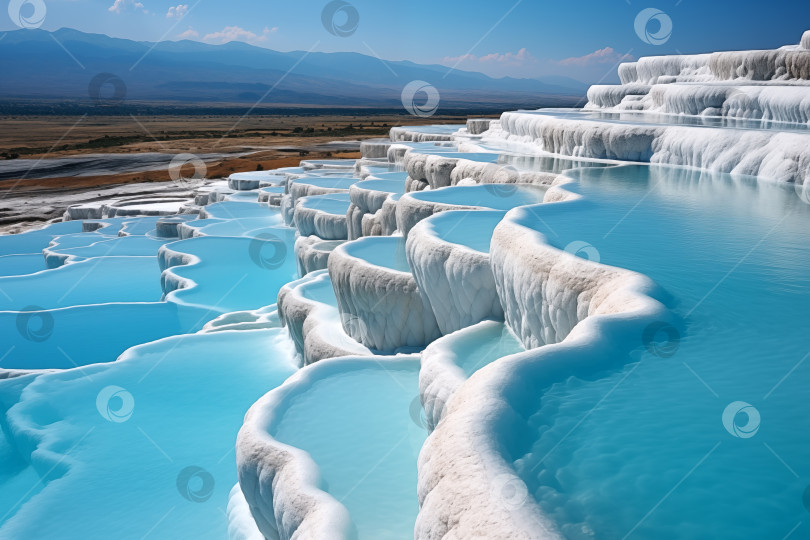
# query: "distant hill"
[34,66]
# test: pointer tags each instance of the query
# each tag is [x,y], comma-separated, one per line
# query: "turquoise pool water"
[395,183]
[470,228]
[26,263]
[373,477]
[337,182]
[384,251]
[337,203]
[494,196]
[643,451]
[141,447]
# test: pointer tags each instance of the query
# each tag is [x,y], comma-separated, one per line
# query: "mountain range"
[60,65]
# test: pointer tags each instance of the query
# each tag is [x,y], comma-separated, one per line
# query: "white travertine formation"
[476,126]
[766,84]
[465,476]
[246,181]
[429,168]
[416,206]
[456,281]
[323,216]
[380,306]
[412,210]
[494,173]
[241,525]
[307,308]
[772,155]
[572,314]
[610,95]
[446,364]
[375,148]
[367,200]
[312,253]
[423,133]
[280,483]
[310,186]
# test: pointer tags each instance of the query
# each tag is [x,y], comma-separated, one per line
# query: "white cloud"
[177,12]
[235,33]
[602,56]
[188,34]
[121,6]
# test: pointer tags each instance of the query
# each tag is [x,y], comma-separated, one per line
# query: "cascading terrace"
[529,327]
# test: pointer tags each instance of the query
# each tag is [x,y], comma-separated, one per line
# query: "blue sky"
[581,39]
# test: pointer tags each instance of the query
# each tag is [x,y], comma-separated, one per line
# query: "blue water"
[233,273]
[470,228]
[384,251]
[153,456]
[337,203]
[90,281]
[494,196]
[373,477]
[338,182]
[642,452]
[36,241]
[26,263]
[383,182]
[636,451]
